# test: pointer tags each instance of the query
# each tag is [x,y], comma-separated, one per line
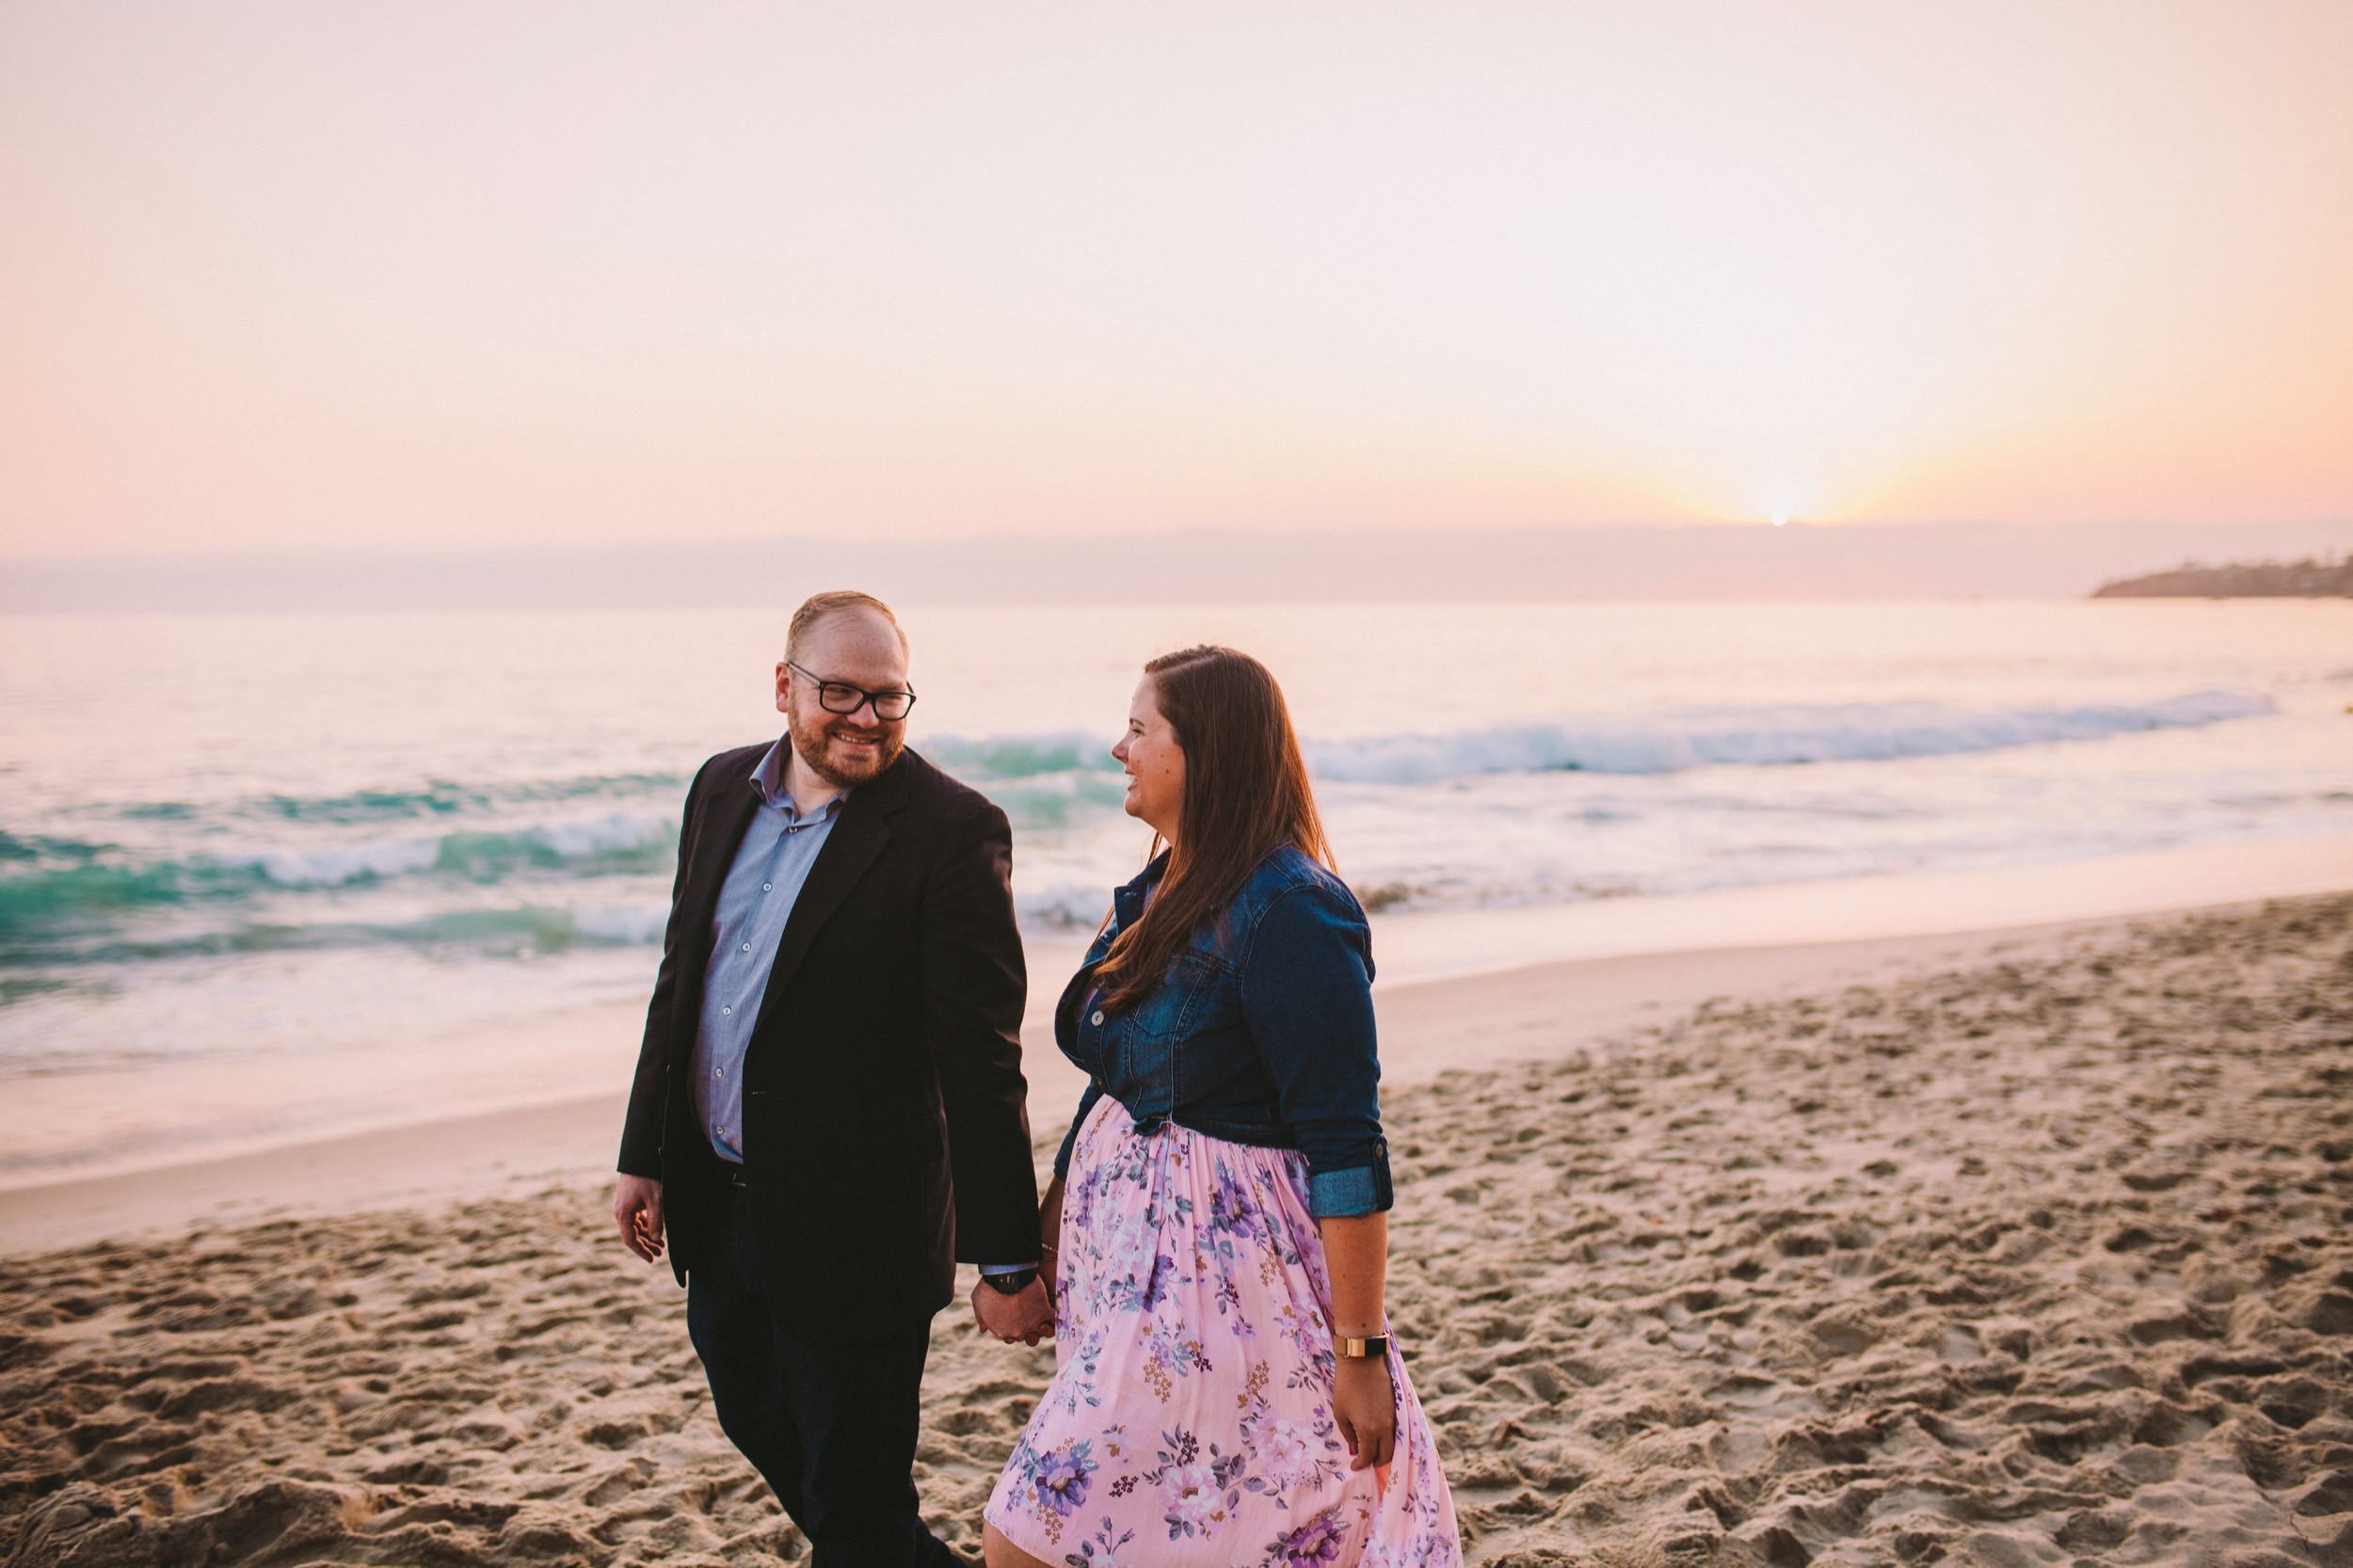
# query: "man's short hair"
[817,607]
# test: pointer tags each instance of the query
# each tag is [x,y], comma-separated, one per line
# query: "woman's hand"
[1356,1254]
[1364,1405]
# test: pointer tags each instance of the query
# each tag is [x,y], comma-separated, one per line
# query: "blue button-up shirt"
[755,900]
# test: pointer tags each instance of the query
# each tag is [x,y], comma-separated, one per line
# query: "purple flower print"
[1128,1294]
[1062,1477]
[1232,1210]
[1312,1545]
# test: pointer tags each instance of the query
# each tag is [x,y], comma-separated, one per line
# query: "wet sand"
[2028,1250]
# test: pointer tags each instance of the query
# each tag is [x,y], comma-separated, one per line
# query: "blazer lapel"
[857,837]
[734,802]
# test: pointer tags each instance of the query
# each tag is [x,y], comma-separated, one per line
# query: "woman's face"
[1155,763]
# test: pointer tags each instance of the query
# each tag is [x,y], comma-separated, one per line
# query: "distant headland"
[2310,578]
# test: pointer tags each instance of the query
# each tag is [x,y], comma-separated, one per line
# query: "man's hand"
[637,1209]
[1023,1319]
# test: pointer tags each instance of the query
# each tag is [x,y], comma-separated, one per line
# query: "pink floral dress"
[1190,1419]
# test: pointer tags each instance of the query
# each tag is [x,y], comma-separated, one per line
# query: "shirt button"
[726,1012]
[747,947]
[718,1072]
[1097,1019]
[768,886]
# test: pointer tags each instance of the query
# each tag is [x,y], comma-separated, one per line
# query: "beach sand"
[2033,1249]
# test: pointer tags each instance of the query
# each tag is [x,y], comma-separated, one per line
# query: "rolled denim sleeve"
[1306,993]
[1071,1138]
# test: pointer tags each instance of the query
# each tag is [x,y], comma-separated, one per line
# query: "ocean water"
[287,846]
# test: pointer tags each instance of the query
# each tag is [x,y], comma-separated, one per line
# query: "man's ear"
[784,687]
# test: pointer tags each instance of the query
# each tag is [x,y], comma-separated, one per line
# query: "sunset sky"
[425,275]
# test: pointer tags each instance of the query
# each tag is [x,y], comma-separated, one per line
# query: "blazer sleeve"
[648,1091]
[974,984]
[1306,993]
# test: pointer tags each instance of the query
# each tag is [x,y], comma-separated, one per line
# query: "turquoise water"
[224,837]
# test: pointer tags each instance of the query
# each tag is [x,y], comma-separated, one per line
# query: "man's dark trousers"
[831,1427]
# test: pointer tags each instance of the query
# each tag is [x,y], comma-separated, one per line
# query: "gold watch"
[1360,1349]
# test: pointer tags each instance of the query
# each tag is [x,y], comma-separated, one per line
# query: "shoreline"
[163,1117]
[1444,1019]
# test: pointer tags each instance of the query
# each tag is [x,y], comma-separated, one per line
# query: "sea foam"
[1777,735]
[1759,737]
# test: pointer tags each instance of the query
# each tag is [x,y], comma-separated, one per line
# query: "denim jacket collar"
[1128,899]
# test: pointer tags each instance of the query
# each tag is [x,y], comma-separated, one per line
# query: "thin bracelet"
[1056,1251]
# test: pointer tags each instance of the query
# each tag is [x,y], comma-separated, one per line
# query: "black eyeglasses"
[840,696]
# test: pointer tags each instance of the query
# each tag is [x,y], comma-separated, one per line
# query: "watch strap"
[1360,1349]
[1012,1284]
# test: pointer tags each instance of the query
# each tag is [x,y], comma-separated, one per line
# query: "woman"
[1216,1231]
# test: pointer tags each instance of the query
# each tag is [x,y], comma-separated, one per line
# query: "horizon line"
[1760,527]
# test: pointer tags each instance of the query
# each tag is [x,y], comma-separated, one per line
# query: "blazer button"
[1097,1019]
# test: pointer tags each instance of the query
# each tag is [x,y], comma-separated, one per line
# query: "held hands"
[1023,1319]
[637,1209]
[1364,1405]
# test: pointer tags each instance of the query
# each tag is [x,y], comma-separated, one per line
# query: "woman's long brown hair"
[1246,794]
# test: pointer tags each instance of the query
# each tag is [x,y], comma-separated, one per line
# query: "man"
[828,1110]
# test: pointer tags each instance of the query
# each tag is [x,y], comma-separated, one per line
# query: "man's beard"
[812,742]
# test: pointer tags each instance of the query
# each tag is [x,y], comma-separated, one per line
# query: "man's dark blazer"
[886,1131]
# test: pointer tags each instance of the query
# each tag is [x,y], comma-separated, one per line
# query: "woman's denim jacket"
[1261,1034]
